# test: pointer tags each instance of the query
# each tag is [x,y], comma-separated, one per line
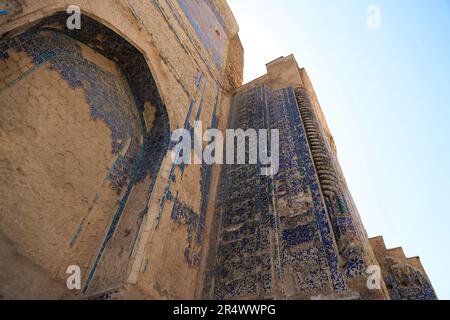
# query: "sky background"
[386,96]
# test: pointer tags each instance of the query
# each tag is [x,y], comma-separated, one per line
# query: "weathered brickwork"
[295,235]
[138,149]
[279,220]
[141,69]
[405,278]
[87,177]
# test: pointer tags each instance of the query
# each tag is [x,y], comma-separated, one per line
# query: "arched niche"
[83,132]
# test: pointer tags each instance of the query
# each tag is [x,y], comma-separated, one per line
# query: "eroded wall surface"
[48,183]
[87,177]
[86,120]
[292,235]
[103,181]
[405,278]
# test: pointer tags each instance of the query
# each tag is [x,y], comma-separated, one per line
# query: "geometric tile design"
[405,282]
[274,240]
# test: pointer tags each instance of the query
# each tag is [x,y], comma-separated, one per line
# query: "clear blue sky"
[386,96]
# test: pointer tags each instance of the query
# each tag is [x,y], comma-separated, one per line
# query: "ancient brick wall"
[104,89]
[405,278]
[48,185]
[293,235]
[113,204]
[87,177]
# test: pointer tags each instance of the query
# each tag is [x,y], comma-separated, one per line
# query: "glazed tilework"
[294,235]
[201,16]
[218,15]
[183,215]
[286,107]
[405,282]
[342,222]
[50,44]
[243,199]
[196,222]
[106,105]
[175,165]
[206,170]
[274,226]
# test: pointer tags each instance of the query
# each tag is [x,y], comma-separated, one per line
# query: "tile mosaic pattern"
[187,126]
[405,282]
[274,239]
[105,105]
[50,44]
[243,206]
[342,222]
[183,215]
[206,170]
[306,193]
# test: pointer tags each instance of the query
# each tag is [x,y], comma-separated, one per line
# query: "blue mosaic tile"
[50,44]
